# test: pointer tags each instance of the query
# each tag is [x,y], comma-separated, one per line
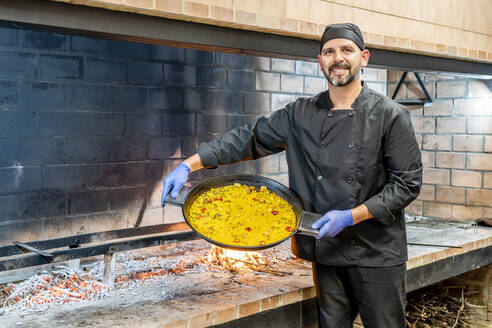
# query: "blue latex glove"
[176,179]
[333,222]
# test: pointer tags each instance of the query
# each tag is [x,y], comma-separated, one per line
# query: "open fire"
[70,286]
[234,261]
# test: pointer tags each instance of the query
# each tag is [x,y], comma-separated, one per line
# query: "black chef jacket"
[338,160]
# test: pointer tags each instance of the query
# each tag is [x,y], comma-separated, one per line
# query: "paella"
[242,215]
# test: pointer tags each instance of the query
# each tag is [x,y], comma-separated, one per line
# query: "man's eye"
[347,50]
[327,52]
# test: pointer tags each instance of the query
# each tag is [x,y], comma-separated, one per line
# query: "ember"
[66,286]
[59,287]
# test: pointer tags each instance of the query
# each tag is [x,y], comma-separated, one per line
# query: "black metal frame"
[99,243]
[428,98]
[112,24]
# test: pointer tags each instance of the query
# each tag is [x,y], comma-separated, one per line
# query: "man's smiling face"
[341,61]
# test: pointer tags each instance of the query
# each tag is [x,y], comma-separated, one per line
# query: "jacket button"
[320,177]
[330,114]
[353,242]
[351,145]
[350,179]
[323,145]
[351,114]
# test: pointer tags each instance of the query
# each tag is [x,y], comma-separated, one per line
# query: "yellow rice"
[242,215]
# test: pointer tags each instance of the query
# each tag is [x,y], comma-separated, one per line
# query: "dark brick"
[242,61]
[60,124]
[20,232]
[177,74]
[166,98]
[18,124]
[63,177]
[8,93]
[178,123]
[199,57]
[31,204]
[201,99]
[95,46]
[211,77]
[53,203]
[216,123]
[74,150]
[123,99]
[143,124]
[189,145]
[82,224]
[102,124]
[39,150]
[8,151]
[61,67]
[124,49]
[240,80]
[8,36]
[257,102]
[88,97]
[95,150]
[124,199]
[105,70]
[44,40]
[19,179]
[167,147]
[167,53]
[141,72]
[88,202]
[18,64]
[41,96]
[19,206]
[230,60]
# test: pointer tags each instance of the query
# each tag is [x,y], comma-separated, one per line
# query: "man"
[352,154]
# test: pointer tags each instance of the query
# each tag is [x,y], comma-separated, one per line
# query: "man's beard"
[344,81]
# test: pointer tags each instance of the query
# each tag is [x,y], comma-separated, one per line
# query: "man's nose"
[338,56]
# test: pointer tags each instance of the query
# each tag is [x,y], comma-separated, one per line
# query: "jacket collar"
[363,95]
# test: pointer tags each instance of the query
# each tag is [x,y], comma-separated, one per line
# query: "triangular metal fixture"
[428,98]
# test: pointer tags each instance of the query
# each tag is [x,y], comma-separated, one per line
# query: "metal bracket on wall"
[428,98]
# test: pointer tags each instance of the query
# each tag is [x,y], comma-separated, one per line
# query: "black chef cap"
[343,31]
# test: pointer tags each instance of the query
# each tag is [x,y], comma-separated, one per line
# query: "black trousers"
[378,294]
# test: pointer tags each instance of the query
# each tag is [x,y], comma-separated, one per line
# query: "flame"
[234,260]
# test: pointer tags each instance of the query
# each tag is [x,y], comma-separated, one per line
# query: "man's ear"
[365,57]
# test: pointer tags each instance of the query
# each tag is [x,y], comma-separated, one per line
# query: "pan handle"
[178,201]
[307,219]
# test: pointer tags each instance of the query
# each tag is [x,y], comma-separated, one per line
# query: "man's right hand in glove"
[175,180]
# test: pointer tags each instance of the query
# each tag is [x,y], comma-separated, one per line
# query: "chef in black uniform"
[352,155]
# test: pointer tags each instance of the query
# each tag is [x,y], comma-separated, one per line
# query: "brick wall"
[89,127]
[455,135]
